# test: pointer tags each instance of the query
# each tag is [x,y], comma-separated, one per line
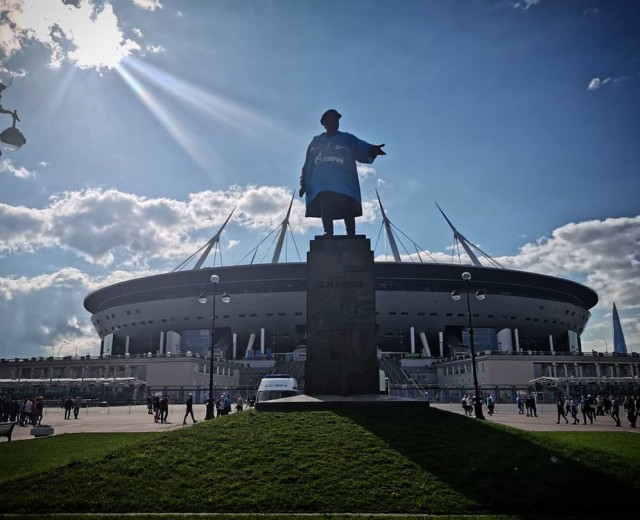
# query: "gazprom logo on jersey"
[328,158]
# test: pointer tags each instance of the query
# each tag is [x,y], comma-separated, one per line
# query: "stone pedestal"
[341,318]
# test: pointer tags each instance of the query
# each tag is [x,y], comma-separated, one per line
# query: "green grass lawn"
[356,461]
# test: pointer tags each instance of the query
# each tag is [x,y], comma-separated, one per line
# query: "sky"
[148,121]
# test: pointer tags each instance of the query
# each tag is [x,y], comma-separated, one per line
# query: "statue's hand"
[376,150]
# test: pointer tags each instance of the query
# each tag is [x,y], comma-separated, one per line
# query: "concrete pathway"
[546,420]
[136,419]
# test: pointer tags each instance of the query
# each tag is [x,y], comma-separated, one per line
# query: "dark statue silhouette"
[330,177]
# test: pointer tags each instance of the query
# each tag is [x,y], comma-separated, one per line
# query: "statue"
[329,175]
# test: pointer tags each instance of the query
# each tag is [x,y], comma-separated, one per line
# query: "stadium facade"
[267,313]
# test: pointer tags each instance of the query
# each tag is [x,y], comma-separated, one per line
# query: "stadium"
[266,316]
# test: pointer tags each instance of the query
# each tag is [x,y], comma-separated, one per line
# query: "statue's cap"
[330,111]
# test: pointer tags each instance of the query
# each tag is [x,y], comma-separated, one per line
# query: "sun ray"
[171,124]
[216,106]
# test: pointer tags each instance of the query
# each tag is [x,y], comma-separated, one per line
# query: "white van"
[276,386]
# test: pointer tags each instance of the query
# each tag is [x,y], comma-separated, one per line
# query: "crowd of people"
[591,407]
[582,410]
[159,407]
[29,412]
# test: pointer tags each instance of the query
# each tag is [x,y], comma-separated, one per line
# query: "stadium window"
[125,325]
[433,314]
[298,314]
[240,315]
[490,316]
[269,314]
[186,318]
[200,318]
[404,313]
[392,313]
[138,311]
[226,316]
[150,322]
[449,314]
[113,315]
[133,324]
[282,314]
[253,315]
[143,323]
[164,320]
[128,313]
[421,314]
[460,315]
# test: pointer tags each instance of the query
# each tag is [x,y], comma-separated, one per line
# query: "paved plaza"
[136,419]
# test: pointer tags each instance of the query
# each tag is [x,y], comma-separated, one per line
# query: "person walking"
[561,411]
[164,409]
[239,404]
[38,407]
[520,405]
[490,405]
[615,410]
[77,404]
[630,407]
[189,410]
[574,412]
[150,404]
[586,411]
[330,177]
[68,406]
[156,409]
[226,410]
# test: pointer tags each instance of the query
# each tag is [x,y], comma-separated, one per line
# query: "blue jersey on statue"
[330,166]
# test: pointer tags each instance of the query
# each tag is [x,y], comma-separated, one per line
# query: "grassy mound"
[358,461]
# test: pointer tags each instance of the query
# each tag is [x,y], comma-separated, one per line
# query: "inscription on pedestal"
[341,314]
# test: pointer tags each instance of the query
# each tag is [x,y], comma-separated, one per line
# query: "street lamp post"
[11,138]
[215,279]
[480,295]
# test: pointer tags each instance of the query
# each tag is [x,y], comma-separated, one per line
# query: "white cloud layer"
[87,33]
[102,225]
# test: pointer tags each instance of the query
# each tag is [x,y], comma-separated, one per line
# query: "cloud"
[44,313]
[85,33]
[596,83]
[105,227]
[150,5]
[155,49]
[7,166]
[526,4]
[364,171]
